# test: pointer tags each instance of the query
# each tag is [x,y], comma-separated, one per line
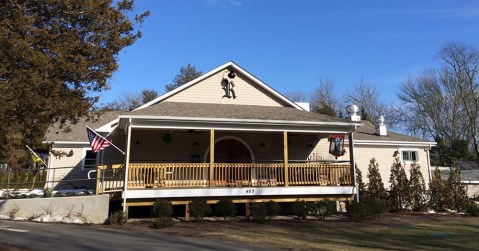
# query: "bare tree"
[432,107]
[462,69]
[126,102]
[297,96]
[444,104]
[366,97]
[130,100]
[324,99]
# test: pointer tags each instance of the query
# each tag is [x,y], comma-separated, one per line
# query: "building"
[225,134]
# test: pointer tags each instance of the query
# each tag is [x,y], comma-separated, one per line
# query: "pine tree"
[187,73]
[55,59]
[456,188]
[439,197]
[417,187]
[375,187]
[399,192]
[360,183]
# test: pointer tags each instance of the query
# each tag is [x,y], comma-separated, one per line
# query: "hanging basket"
[336,145]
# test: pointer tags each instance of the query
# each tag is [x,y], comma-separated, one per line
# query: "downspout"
[429,163]
[353,162]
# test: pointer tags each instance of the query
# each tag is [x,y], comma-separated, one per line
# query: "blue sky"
[291,45]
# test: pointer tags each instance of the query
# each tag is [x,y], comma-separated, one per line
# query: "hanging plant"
[167,138]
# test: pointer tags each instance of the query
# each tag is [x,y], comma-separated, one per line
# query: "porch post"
[212,156]
[127,163]
[285,151]
[353,163]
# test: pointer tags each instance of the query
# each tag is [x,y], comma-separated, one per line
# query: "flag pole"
[36,155]
[106,140]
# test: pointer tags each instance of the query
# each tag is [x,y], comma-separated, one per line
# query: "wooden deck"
[197,175]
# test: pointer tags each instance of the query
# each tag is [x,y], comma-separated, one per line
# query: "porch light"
[195,143]
[310,145]
[137,142]
[70,153]
[232,74]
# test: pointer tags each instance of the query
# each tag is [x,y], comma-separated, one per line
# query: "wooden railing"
[319,174]
[110,178]
[248,174]
[169,175]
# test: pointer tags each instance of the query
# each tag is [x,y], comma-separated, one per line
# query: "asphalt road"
[45,236]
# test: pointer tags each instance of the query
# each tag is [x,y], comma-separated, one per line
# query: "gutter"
[228,120]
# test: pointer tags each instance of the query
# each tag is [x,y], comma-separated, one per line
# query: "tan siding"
[382,154]
[472,190]
[111,154]
[68,168]
[210,91]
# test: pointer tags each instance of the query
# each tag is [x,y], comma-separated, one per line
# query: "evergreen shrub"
[199,209]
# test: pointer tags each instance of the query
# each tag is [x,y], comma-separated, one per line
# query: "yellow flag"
[36,159]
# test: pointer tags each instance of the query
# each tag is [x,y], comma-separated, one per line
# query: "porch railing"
[174,175]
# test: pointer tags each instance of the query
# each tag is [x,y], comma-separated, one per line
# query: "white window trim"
[411,150]
[84,158]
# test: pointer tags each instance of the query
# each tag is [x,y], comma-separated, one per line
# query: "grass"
[391,232]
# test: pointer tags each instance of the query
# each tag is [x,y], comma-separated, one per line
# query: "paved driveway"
[44,236]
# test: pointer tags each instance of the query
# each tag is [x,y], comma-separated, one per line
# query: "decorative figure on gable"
[336,145]
[228,85]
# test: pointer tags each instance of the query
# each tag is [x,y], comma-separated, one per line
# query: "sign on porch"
[336,145]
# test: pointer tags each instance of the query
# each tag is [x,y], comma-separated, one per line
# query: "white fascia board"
[256,129]
[108,126]
[66,142]
[236,121]
[470,182]
[214,71]
[239,191]
[392,143]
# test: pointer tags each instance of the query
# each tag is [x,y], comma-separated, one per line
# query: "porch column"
[127,163]
[212,156]
[285,151]
[353,163]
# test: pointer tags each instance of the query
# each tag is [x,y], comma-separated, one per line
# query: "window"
[90,159]
[410,156]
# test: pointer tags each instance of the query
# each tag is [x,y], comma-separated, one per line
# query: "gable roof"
[367,132]
[228,65]
[225,111]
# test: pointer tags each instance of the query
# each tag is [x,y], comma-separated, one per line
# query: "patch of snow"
[430,211]
[4,217]
[39,192]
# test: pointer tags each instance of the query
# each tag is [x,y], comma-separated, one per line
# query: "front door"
[231,151]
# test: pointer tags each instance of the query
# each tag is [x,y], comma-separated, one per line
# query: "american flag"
[97,142]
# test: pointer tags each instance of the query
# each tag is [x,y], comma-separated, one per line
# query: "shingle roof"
[368,132]
[226,111]
[77,132]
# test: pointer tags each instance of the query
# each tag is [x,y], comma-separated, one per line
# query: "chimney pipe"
[353,113]
[381,129]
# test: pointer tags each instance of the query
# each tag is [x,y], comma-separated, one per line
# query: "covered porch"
[180,158]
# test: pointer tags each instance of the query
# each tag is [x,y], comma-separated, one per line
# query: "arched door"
[231,151]
[235,151]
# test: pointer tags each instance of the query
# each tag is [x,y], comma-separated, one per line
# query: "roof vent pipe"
[353,113]
[381,129]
